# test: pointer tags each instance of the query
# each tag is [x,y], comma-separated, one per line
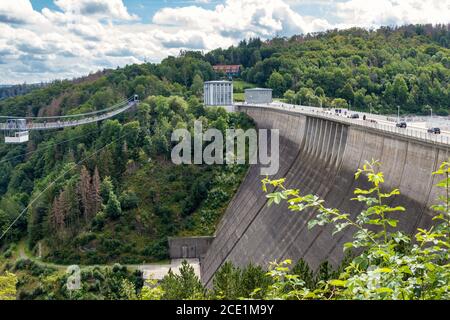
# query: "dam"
[319,154]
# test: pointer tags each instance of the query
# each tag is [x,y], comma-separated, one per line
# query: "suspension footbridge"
[17,128]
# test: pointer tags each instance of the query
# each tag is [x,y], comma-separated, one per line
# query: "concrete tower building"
[258,95]
[218,93]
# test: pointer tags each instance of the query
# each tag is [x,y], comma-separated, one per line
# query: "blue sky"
[145,9]
[43,40]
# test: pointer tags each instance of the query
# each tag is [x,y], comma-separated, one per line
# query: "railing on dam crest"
[371,121]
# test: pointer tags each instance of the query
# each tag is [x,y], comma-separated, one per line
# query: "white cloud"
[87,35]
[230,22]
[112,9]
[393,12]
[18,12]
[238,18]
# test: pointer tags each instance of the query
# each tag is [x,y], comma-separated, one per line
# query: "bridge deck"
[72,123]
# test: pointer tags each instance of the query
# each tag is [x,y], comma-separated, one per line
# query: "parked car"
[401,124]
[434,130]
[354,116]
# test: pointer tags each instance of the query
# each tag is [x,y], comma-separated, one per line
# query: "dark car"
[401,124]
[354,116]
[434,130]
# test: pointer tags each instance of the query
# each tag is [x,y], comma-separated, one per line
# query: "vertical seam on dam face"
[208,277]
[263,204]
[328,167]
[319,231]
[318,156]
[345,201]
[430,188]
[339,161]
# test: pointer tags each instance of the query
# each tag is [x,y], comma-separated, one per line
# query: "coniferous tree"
[113,209]
[86,194]
[96,197]
[57,215]
[106,188]
[226,282]
[185,285]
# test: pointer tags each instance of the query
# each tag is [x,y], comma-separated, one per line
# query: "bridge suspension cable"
[56,180]
[49,146]
[121,103]
[17,128]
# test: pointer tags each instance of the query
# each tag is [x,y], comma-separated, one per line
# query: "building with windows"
[258,95]
[231,70]
[218,93]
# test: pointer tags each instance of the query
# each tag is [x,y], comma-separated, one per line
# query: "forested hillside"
[369,70]
[7,91]
[108,192]
[116,195]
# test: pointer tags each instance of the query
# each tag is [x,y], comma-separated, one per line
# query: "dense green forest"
[7,91]
[116,196]
[367,70]
[108,193]
[388,264]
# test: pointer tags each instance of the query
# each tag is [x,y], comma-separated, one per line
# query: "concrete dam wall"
[320,156]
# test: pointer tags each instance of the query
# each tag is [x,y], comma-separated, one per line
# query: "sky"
[43,40]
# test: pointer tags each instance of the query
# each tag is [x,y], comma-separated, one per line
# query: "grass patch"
[239,86]
[240,96]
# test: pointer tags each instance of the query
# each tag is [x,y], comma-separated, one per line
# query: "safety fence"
[369,122]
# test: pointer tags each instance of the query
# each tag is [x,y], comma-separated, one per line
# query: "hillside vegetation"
[108,192]
[367,70]
[387,264]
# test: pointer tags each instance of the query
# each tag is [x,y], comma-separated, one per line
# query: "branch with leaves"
[389,264]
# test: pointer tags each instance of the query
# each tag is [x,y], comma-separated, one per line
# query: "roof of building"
[219,81]
[259,89]
[227,67]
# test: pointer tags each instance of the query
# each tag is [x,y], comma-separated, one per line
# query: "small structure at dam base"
[189,247]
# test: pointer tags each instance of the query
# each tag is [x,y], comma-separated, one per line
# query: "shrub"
[158,250]
[129,200]
[113,209]
[99,221]
[391,265]
[186,285]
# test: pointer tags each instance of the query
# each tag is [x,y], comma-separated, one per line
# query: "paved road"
[149,271]
[159,271]
[382,119]
[380,122]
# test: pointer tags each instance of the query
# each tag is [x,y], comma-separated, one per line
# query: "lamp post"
[398,114]
[431,114]
[431,109]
